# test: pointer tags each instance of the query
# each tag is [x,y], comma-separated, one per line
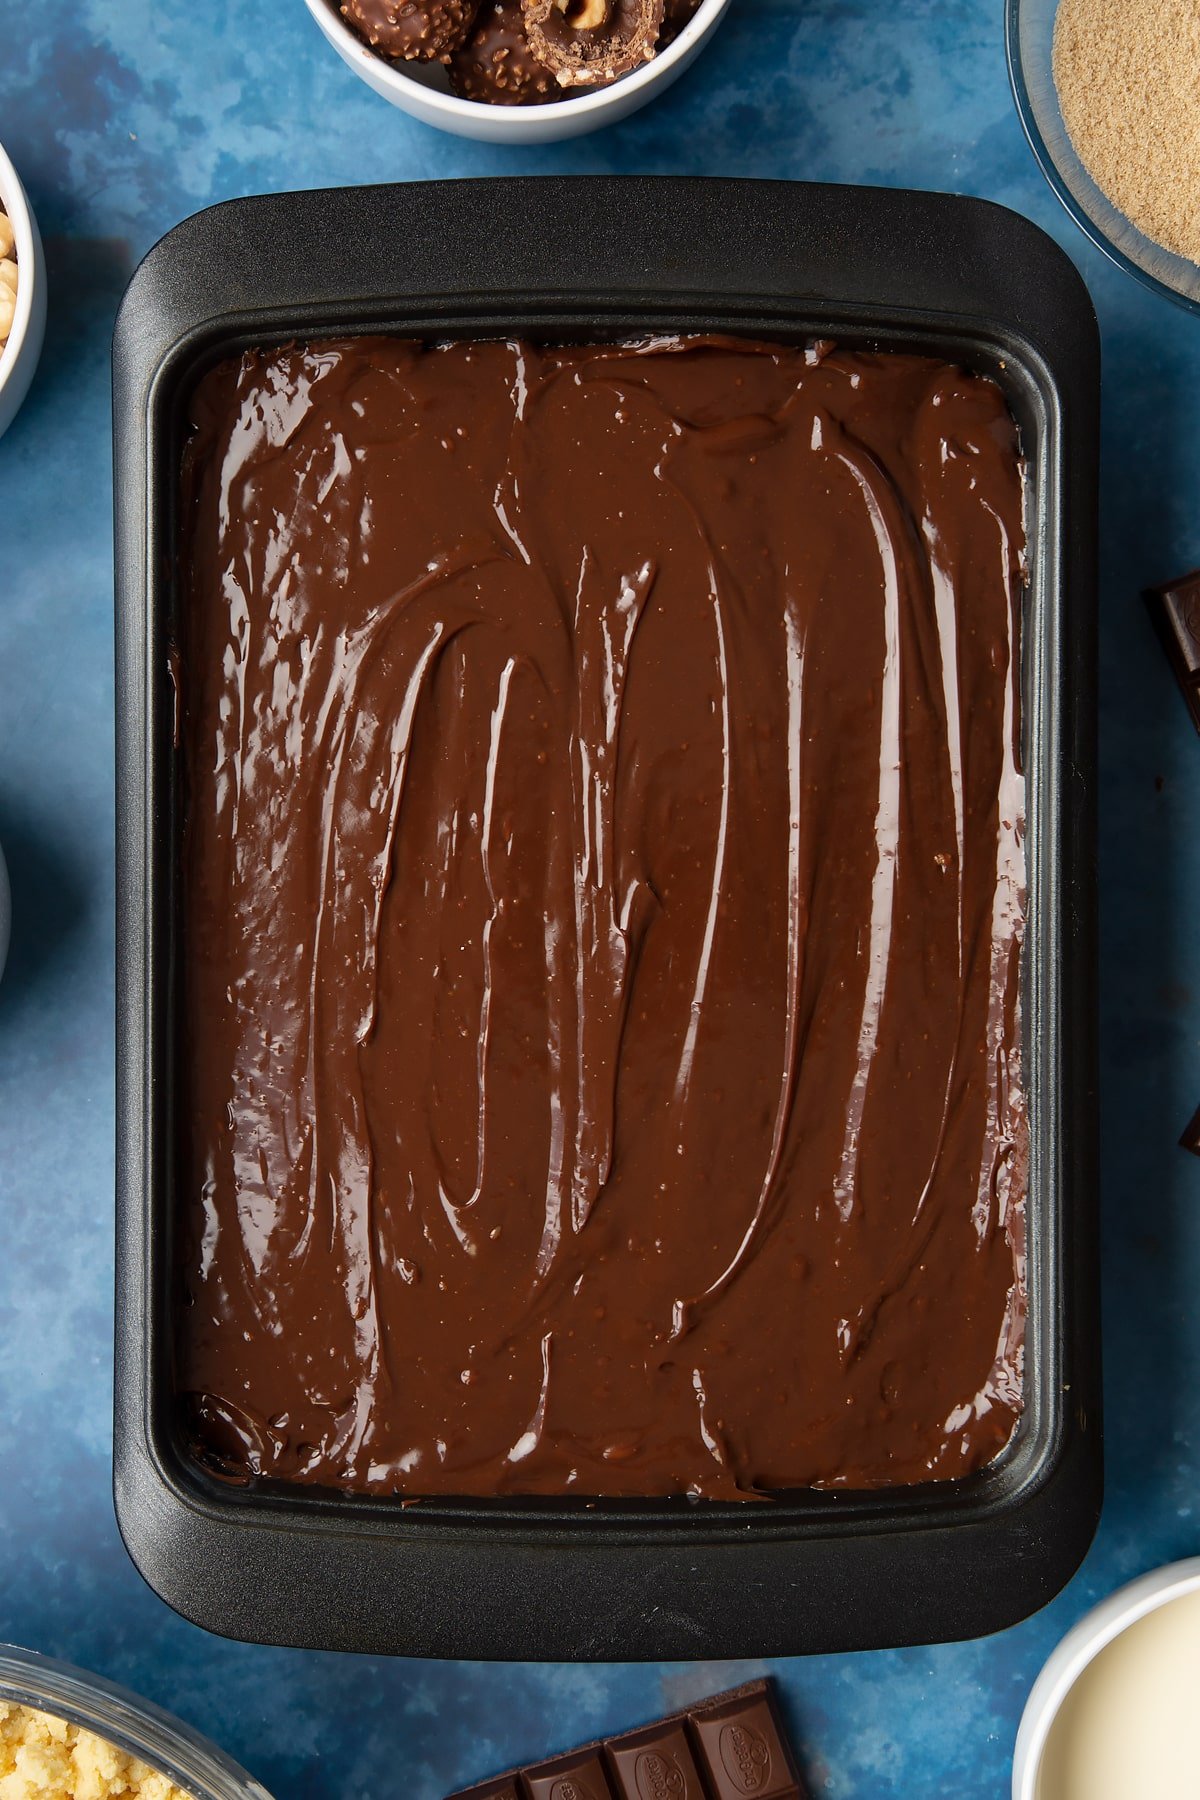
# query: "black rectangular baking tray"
[592,259]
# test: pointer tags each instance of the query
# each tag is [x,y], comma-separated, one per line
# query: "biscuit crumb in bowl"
[8,276]
[47,1758]
[1125,71]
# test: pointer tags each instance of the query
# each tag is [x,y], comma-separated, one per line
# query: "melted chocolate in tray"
[602,897]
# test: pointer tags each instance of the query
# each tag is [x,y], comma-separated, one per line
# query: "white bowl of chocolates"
[22,294]
[518,71]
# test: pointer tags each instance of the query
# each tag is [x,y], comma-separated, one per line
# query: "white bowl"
[19,357]
[1079,1648]
[422,89]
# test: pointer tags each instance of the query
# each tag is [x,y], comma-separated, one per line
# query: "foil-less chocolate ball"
[496,64]
[589,43]
[411,30]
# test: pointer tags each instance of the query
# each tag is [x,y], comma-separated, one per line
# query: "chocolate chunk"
[655,1764]
[411,30]
[1176,611]
[496,64]
[742,1750]
[1191,1137]
[589,43]
[731,1747]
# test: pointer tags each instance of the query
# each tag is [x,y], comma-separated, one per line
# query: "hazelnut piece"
[589,43]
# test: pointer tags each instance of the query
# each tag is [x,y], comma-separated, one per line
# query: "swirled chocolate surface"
[602,892]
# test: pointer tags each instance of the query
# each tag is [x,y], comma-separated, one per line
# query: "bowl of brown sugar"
[1109,98]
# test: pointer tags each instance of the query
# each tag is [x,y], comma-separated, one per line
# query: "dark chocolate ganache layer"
[602,894]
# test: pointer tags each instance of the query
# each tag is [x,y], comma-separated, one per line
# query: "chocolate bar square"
[742,1751]
[577,1776]
[655,1764]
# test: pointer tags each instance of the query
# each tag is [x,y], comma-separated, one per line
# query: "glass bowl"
[1029,41]
[135,1726]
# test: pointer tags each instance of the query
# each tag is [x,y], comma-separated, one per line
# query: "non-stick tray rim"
[1034,1446]
[153,368]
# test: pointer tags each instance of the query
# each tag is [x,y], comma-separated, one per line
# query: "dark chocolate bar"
[1191,1136]
[1176,610]
[731,1747]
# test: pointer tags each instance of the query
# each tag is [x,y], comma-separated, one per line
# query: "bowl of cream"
[1116,1710]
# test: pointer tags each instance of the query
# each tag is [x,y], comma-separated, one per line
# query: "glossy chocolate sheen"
[602,893]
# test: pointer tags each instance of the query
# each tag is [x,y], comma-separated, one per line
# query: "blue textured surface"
[123,116]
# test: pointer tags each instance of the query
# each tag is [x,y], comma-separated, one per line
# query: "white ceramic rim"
[585,106]
[12,197]
[1081,1646]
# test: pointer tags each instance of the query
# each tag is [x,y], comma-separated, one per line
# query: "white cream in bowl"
[1115,1714]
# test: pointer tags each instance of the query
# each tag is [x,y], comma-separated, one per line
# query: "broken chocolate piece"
[727,1748]
[1176,610]
[411,30]
[496,64]
[588,43]
[1191,1137]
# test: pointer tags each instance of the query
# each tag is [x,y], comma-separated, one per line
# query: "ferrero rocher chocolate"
[589,43]
[411,30]
[496,63]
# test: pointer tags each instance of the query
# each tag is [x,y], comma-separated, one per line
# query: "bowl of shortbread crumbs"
[1108,92]
[68,1735]
[22,293]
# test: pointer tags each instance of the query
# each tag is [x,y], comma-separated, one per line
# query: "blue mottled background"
[122,116]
